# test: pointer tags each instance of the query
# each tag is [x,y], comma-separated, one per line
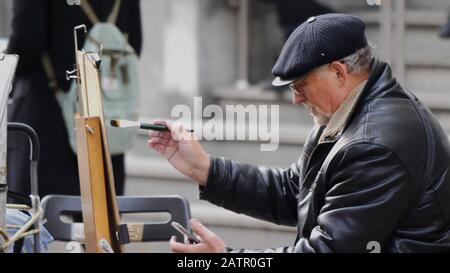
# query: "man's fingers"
[201,230]
[157,147]
[179,133]
[166,135]
[179,247]
[163,122]
[158,140]
[176,131]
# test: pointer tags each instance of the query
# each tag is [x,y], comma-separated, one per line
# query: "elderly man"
[374,169]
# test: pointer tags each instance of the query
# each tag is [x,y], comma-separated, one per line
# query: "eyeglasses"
[293,86]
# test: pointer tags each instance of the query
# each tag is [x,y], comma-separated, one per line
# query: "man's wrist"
[201,172]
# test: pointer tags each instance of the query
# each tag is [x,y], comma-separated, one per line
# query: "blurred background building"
[223,51]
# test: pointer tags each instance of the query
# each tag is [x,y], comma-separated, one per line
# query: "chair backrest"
[178,207]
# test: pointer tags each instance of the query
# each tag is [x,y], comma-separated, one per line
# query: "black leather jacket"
[385,179]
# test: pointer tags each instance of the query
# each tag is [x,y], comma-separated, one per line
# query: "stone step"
[431,17]
[423,47]
[441,4]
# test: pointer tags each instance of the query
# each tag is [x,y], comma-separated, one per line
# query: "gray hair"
[359,62]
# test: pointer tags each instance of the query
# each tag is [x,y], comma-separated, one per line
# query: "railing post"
[243,45]
[392,36]
[385,30]
[399,40]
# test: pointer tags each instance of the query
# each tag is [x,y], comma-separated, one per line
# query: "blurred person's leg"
[118,162]
[35,105]
[444,32]
[292,13]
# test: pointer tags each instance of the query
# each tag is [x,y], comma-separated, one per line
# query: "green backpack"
[119,76]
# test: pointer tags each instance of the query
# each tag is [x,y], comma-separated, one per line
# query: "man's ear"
[339,69]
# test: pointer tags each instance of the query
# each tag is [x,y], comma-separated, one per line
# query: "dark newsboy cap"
[320,40]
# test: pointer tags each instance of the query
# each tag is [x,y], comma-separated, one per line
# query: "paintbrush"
[121,123]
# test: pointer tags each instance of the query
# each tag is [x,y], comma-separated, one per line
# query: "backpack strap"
[89,11]
[115,12]
[50,71]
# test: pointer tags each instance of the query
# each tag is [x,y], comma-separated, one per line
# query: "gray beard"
[320,118]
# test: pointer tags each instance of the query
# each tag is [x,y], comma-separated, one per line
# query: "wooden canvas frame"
[8,65]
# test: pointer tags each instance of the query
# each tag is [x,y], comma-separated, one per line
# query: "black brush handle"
[158,127]
[154,127]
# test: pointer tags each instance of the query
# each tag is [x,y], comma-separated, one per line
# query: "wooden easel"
[100,213]
[102,229]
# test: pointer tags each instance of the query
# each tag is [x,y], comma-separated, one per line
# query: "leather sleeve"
[263,193]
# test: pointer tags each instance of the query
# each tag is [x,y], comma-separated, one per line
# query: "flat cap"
[319,40]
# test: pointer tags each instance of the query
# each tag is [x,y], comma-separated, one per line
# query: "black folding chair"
[33,200]
[57,205]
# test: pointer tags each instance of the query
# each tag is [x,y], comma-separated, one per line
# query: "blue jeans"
[18,218]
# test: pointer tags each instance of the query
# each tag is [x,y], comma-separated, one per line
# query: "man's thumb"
[200,229]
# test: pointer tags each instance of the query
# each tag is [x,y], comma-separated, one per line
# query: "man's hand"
[182,150]
[211,243]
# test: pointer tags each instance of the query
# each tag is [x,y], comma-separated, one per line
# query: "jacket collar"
[379,81]
[340,118]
